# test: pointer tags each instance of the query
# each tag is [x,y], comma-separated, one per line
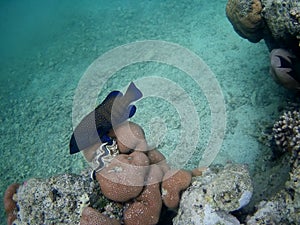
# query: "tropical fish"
[115,109]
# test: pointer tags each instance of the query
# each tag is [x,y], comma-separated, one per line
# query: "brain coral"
[245,17]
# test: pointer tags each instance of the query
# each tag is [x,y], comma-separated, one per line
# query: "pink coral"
[9,204]
[173,183]
[135,176]
[123,178]
[129,136]
[91,216]
[147,206]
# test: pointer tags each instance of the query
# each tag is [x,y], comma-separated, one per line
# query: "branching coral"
[286,132]
[245,17]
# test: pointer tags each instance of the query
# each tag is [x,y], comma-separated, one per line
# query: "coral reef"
[212,196]
[275,21]
[245,17]
[129,136]
[147,206]
[130,183]
[283,207]
[141,193]
[116,180]
[278,23]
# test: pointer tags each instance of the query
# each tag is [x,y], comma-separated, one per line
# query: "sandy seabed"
[45,50]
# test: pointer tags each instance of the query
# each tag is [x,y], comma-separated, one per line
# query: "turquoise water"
[46,46]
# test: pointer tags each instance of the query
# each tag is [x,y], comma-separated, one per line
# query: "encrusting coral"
[283,207]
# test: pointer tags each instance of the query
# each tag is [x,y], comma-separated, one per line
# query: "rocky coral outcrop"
[283,22]
[245,17]
[276,21]
[283,207]
[212,196]
[59,200]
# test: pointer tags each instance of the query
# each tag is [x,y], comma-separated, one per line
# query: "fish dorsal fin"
[132,93]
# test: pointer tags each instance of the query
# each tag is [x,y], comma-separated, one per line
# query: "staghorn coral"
[245,17]
[10,205]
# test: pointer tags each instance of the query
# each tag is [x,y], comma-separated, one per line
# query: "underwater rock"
[283,207]
[245,17]
[58,200]
[275,21]
[283,21]
[212,196]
